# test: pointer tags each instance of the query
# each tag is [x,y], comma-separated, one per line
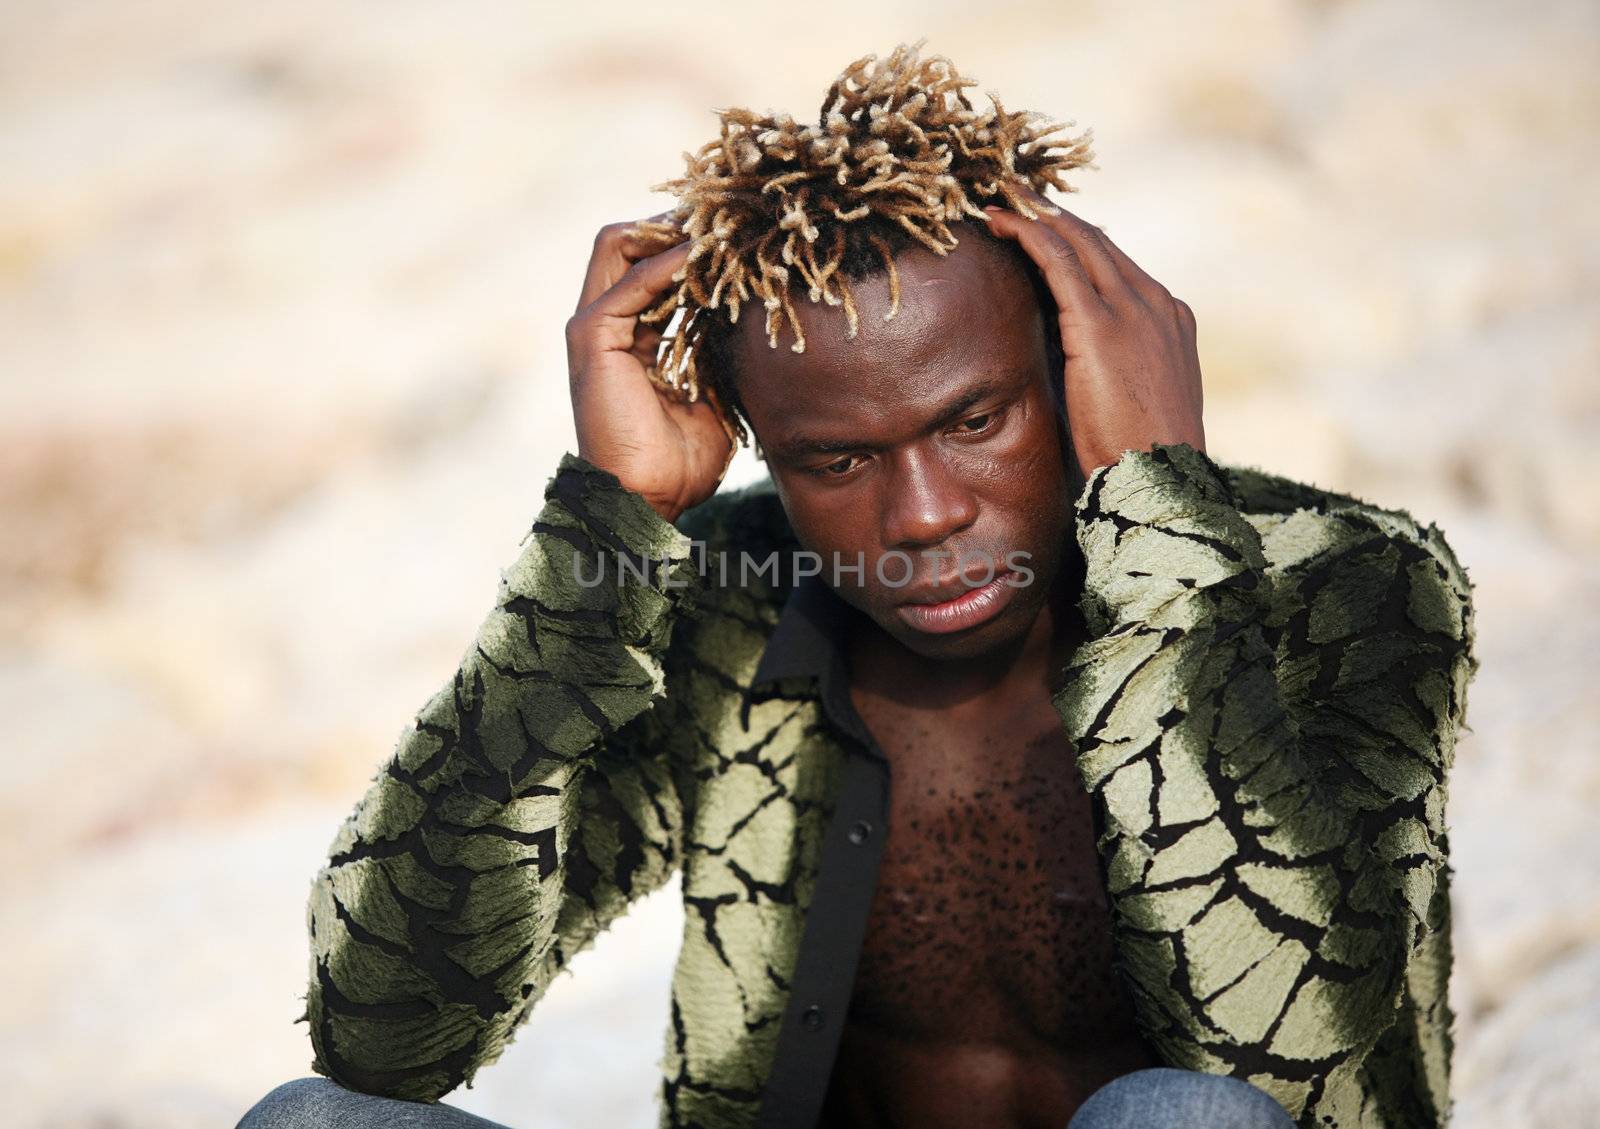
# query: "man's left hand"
[1132,373]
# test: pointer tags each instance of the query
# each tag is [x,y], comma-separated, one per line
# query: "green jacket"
[1264,717]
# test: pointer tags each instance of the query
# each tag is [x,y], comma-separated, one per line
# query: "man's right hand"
[671,452]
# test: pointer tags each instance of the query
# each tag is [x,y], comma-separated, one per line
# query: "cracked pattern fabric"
[1264,716]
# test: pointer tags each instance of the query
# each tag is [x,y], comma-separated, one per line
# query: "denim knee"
[1163,1097]
[294,1105]
[320,1103]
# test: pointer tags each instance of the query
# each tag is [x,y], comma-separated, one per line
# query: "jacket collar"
[808,640]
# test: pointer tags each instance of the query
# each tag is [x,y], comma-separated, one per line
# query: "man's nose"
[926,503]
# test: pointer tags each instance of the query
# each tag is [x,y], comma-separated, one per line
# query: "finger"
[664,232]
[640,286]
[616,249]
[1185,318]
[1086,240]
[1134,277]
[1075,294]
[1155,295]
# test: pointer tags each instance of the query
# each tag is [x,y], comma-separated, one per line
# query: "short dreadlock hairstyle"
[898,154]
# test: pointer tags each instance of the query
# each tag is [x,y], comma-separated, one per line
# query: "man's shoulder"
[1262,494]
[1340,558]
[1298,521]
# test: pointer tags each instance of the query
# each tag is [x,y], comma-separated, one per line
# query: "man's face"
[929,448]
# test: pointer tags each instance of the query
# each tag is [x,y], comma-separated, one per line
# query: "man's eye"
[838,467]
[975,425]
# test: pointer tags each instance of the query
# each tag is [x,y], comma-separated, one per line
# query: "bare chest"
[989,911]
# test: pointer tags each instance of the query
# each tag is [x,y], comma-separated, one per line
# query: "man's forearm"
[435,921]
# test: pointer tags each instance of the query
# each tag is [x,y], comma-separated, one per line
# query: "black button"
[860,831]
[813,1017]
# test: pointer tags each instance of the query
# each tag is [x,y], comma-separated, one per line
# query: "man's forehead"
[963,319]
[977,272]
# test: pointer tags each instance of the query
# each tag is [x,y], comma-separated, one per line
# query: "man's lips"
[969,606]
[954,588]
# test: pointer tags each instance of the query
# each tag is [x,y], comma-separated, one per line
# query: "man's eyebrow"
[965,402]
[801,444]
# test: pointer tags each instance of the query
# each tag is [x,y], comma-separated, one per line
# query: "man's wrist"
[668,511]
[641,520]
[1095,458]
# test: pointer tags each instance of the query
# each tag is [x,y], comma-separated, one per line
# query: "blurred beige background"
[281,382]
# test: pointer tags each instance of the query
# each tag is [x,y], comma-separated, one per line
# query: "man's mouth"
[948,608]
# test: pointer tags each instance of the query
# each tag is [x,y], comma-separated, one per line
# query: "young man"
[1023,765]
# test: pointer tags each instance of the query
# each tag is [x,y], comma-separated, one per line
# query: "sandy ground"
[281,292]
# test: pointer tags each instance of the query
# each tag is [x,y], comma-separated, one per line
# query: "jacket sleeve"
[520,813]
[1265,712]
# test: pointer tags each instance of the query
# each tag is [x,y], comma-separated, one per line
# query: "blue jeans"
[1164,1098]
[1157,1098]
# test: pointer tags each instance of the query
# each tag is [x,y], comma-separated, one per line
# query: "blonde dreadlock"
[898,154]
